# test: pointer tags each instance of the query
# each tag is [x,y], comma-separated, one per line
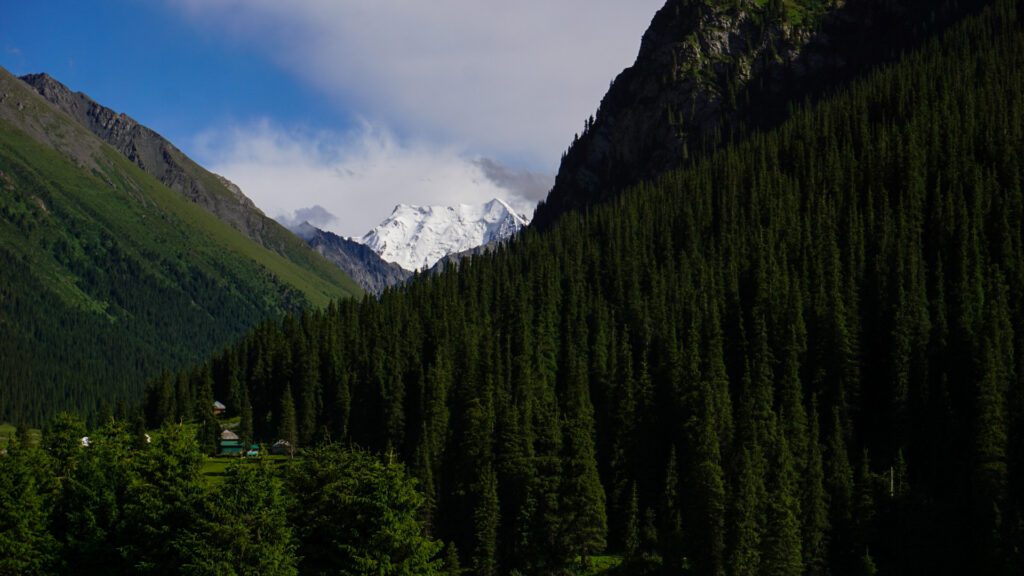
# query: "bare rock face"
[358,261]
[159,158]
[710,71]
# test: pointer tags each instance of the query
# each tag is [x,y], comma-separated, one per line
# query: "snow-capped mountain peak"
[416,237]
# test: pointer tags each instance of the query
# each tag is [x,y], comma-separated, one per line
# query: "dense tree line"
[802,354]
[127,506]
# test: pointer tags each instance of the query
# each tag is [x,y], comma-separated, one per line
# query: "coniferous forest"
[800,354]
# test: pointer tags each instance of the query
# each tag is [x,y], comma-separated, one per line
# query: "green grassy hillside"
[157,157]
[108,276]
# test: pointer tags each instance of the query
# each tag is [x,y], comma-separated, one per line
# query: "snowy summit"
[417,237]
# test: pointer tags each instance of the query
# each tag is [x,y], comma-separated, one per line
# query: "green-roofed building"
[230,444]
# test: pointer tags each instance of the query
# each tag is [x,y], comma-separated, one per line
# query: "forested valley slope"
[797,352]
[801,353]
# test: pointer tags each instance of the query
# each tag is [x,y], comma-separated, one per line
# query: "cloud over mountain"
[352,181]
[513,80]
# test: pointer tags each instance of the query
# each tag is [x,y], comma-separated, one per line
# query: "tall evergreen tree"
[243,529]
[287,428]
[26,545]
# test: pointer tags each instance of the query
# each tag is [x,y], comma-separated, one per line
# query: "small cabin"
[253,451]
[230,444]
[218,408]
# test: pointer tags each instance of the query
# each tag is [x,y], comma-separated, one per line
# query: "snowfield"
[417,237]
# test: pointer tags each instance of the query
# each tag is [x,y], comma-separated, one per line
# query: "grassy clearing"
[601,565]
[8,431]
[215,467]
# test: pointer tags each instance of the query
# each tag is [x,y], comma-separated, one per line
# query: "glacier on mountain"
[417,237]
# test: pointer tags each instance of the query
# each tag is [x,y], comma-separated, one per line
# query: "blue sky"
[354,105]
[146,59]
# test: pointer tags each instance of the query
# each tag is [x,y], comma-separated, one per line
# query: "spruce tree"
[671,531]
[243,529]
[745,521]
[631,537]
[287,428]
[163,505]
[25,500]
[781,554]
[814,505]
[839,484]
[705,517]
[245,426]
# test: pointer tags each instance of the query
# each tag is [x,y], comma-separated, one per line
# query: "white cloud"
[357,178]
[316,215]
[508,79]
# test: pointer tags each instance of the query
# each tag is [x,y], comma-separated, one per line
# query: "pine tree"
[814,506]
[355,513]
[164,504]
[451,561]
[287,428]
[26,545]
[245,425]
[706,511]
[781,554]
[631,540]
[671,531]
[839,485]
[865,511]
[582,502]
[745,556]
[991,434]
[209,428]
[62,440]
[243,529]
[485,522]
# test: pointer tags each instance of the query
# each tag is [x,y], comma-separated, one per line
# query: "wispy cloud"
[505,79]
[357,178]
[316,215]
[526,184]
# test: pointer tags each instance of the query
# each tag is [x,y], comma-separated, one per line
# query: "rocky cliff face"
[161,159]
[358,261]
[709,71]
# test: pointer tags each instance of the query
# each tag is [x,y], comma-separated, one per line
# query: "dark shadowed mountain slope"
[709,71]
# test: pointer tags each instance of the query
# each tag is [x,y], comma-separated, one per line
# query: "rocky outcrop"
[453,261]
[710,71]
[357,260]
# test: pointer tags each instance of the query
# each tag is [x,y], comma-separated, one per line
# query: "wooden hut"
[230,444]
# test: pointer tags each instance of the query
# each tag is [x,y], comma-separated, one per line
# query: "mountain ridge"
[418,237]
[160,158]
[358,261]
[708,73]
[109,275]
